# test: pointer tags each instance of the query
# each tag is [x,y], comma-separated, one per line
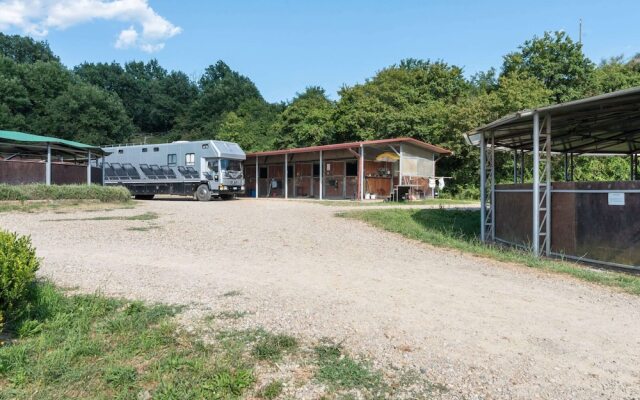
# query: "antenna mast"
[580,32]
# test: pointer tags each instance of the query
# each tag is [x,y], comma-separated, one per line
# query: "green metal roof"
[37,139]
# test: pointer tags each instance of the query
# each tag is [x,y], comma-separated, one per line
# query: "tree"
[23,49]
[87,114]
[614,74]
[307,121]
[556,60]
[251,125]
[221,90]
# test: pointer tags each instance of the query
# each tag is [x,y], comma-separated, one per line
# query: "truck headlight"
[241,187]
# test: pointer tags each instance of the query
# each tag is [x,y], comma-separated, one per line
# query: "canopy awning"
[35,144]
[604,124]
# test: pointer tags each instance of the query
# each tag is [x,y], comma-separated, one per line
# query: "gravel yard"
[482,328]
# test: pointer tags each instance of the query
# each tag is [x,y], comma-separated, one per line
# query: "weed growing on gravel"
[231,293]
[340,371]
[227,315]
[146,228]
[459,229]
[272,347]
[271,390]
[147,216]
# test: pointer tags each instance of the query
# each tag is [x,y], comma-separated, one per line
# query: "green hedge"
[64,192]
[18,266]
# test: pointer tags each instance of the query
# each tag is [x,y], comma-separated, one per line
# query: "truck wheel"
[143,197]
[203,193]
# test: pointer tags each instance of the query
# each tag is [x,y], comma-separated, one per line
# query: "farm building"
[589,221]
[27,158]
[400,168]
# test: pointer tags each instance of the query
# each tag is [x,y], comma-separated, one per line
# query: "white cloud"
[38,17]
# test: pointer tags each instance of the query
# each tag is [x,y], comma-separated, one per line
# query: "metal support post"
[548,167]
[515,166]
[492,219]
[535,238]
[400,166]
[89,168]
[572,165]
[566,167]
[321,176]
[483,189]
[361,172]
[522,166]
[47,173]
[257,176]
[286,176]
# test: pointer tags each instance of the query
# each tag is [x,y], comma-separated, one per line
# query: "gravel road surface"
[482,328]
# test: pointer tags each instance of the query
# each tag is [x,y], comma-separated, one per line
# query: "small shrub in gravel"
[271,390]
[18,266]
[272,347]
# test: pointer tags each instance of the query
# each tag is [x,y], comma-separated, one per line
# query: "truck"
[203,169]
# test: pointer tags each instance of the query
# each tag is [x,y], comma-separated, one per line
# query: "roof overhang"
[604,124]
[36,144]
[353,145]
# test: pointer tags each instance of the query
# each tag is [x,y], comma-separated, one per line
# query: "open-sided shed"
[590,221]
[356,170]
[27,158]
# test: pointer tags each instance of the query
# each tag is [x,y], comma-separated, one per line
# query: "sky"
[285,46]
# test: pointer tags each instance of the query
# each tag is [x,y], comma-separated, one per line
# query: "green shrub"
[18,266]
[64,192]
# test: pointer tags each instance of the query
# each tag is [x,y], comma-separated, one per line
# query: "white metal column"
[535,239]
[547,195]
[361,175]
[286,176]
[400,166]
[321,178]
[492,210]
[47,172]
[89,168]
[483,183]
[257,176]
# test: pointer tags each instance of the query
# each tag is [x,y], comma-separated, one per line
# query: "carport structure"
[591,221]
[355,170]
[28,158]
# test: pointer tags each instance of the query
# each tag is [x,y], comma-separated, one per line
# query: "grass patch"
[61,206]
[227,315]
[105,194]
[340,371]
[271,390]
[147,216]
[459,229]
[231,293]
[272,347]
[434,202]
[143,228]
[89,346]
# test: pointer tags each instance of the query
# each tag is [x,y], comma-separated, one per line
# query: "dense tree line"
[102,103]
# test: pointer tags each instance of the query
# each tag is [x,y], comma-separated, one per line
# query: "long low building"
[27,158]
[401,167]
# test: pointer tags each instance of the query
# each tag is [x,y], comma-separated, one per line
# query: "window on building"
[205,146]
[190,159]
[144,149]
[172,160]
[156,149]
[120,151]
[263,173]
[290,171]
[316,170]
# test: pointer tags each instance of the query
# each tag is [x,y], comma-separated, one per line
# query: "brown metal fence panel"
[22,172]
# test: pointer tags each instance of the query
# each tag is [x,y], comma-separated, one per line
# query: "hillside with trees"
[104,103]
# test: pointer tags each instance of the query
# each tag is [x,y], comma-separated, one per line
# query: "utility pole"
[580,32]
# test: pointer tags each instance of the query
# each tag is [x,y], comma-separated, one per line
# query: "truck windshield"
[232,165]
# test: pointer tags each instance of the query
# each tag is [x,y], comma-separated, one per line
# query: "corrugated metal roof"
[604,124]
[353,145]
[22,137]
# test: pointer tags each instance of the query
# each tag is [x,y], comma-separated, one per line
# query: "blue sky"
[286,45]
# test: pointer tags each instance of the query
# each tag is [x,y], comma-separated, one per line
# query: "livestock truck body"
[203,169]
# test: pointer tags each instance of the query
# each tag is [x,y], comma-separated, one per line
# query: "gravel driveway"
[483,328]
